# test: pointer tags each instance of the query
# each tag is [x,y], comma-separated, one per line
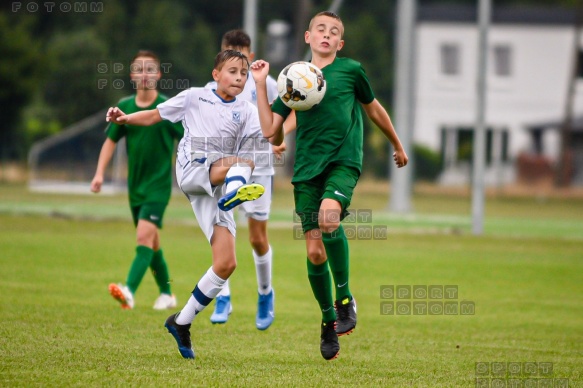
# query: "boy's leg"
[125,294]
[207,288]
[307,197]
[319,277]
[257,213]
[340,184]
[220,229]
[148,219]
[166,300]
[146,233]
[235,173]
[160,272]
[179,324]
[223,306]
[338,257]
[139,267]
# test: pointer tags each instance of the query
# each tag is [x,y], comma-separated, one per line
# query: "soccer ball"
[301,85]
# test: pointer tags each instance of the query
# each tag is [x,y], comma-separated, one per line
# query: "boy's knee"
[259,243]
[225,268]
[317,255]
[328,226]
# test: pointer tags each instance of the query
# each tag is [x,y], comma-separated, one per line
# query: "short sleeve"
[115,131]
[363,90]
[280,108]
[173,109]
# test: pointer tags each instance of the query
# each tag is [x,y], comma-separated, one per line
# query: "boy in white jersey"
[256,212]
[218,129]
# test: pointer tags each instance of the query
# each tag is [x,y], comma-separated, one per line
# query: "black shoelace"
[342,311]
[184,333]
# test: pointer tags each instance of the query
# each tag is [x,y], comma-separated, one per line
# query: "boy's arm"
[104,157]
[271,123]
[288,125]
[142,118]
[380,117]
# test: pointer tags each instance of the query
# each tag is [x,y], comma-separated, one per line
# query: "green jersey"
[332,131]
[150,151]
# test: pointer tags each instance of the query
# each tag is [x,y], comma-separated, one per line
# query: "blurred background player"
[150,154]
[256,212]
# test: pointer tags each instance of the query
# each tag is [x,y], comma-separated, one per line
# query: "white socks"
[226,290]
[237,176]
[204,292]
[263,271]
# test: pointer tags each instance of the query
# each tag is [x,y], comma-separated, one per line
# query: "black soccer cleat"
[346,316]
[181,334]
[329,346]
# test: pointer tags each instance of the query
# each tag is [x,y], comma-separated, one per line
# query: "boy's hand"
[115,115]
[400,158]
[278,150]
[260,70]
[96,184]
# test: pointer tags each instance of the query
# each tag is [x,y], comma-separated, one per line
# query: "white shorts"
[193,179]
[259,209]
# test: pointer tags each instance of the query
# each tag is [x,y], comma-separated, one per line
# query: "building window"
[450,59]
[580,64]
[457,145]
[502,60]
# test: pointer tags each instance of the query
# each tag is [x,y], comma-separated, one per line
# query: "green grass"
[61,328]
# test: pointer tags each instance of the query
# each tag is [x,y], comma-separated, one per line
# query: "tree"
[73,90]
[20,72]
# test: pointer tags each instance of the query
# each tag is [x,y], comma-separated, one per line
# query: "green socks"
[337,251]
[160,272]
[139,267]
[319,276]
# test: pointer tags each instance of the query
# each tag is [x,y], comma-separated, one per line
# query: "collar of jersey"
[220,98]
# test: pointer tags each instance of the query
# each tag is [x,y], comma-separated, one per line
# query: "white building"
[530,62]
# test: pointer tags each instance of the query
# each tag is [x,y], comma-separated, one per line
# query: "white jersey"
[249,93]
[215,128]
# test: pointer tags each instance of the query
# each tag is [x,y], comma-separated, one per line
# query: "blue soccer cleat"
[247,192]
[181,334]
[265,311]
[223,309]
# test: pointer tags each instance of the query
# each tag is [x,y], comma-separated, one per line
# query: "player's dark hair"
[236,39]
[225,55]
[148,54]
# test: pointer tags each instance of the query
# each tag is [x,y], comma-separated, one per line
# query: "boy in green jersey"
[150,155]
[328,164]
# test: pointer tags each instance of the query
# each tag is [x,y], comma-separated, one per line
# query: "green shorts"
[336,182]
[152,212]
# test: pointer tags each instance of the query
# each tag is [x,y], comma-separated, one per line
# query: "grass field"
[524,275]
